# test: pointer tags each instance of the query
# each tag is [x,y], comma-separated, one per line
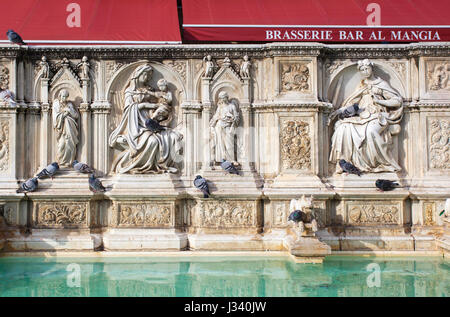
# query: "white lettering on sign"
[374,18]
[74,18]
[321,35]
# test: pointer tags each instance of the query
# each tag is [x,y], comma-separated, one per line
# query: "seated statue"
[365,139]
[142,150]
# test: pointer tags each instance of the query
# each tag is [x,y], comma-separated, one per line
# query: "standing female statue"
[65,123]
[223,129]
[365,140]
[143,151]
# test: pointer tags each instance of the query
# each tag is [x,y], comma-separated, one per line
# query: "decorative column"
[191,115]
[247,159]
[85,122]
[100,128]
[206,118]
[45,125]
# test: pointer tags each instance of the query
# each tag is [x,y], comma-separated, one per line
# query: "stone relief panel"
[61,215]
[437,75]
[366,213]
[4,145]
[280,213]
[8,216]
[226,214]
[428,214]
[439,143]
[295,76]
[178,66]
[295,144]
[138,214]
[111,67]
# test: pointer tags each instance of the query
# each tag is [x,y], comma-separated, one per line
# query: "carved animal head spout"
[304,204]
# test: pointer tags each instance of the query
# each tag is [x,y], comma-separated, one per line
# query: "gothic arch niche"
[65,79]
[119,82]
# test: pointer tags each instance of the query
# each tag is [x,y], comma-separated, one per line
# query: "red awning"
[316,20]
[91,21]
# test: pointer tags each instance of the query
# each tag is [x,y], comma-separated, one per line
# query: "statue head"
[142,74]
[366,68]
[208,57]
[223,97]
[245,57]
[84,59]
[162,84]
[63,94]
[44,59]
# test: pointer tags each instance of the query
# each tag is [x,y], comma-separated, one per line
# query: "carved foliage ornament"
[4,77]
[4,145]
[226,214]
[295,145]
[145,215]
[294,77]
[377,214]
[62,214]
[439,146]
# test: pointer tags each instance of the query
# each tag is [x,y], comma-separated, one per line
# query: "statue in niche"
[144,151]
[65,123]
[209,66]
[5,94]
[365,139]
[245,68]
[223,129]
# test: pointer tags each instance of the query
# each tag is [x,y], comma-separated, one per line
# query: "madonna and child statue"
[144,150]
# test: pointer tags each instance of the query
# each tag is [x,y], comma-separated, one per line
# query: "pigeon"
[15,38]
[95,184]
[202,184]
[385,185]
[348,112]
[229,167]
[29,185]
[446,208]
[82,167]
[49,171]
[296,216]
[153,125]
[349,167]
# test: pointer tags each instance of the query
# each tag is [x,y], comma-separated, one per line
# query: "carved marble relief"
[295,77]
[178,66]
[138,214]
[61,214]
[437,76]
[280,213]
[226,214]
[7,216]
[5,94]
[295,145]
[366,138]
[373,213]
[428,214]
[142,149]
[439,143]
[4,145]
[111,67]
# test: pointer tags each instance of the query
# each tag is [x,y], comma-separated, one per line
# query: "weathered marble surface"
[283,93]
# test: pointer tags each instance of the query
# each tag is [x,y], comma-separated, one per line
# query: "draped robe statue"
[223,129]
[142,150]
[365,140]
[65,123]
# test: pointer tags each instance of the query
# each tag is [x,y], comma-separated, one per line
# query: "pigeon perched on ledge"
[153,125]
[385,185]
[15,38]
[29,185]
[229,167]
[349,167]
[95,184]
[202,184]
[348,112]
[48,171]
[82,167]
[296,216]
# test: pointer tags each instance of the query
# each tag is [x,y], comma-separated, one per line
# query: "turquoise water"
[223,276]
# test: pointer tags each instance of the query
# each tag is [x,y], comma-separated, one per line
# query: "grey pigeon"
[348,112]
[49,171]
[30,185]
[82,167]
[229,167]
[202,184]
[349,167]
[95,184]
[385,185]
[14,37]
[153,125]
[296,216]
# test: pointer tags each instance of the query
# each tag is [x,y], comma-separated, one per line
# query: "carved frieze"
[4,145]
[332,66]
[439,143]
[428,213]
[373,213]
[295,77]
[295,145]
[144,214]
[226,214]
[61,214]
[111,67]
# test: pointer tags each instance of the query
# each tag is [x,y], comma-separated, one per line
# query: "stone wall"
[281,145]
